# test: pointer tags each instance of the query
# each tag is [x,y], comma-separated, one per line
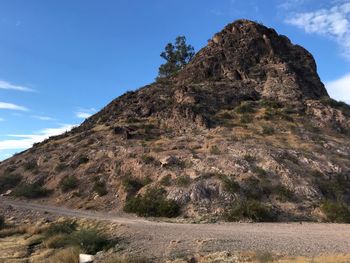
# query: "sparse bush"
[60,167]
[215,150]
[270,104]
[147,159]
[90,240]
[65,227]
[264,257]
[100,187]
[283,193]
[249,158]
[250,209]
[152,203]
[69,183]
[82,160]
[30,165]
[267,130]
[230,185]
[259,171]
[132,185]
[2,221]
[245,107]
[335,104]
[68,255]
[166,180]
[246,118]
[333,188]
[336,212]
[31,190]
[9,181]
[183,180]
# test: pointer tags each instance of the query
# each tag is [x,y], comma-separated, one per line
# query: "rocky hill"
[245,131]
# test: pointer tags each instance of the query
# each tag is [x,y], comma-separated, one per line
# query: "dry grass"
[69,255]
[126,259]
[320,259]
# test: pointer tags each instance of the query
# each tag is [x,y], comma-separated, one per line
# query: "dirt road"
[169,239]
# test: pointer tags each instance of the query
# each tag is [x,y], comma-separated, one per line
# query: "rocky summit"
[246,131]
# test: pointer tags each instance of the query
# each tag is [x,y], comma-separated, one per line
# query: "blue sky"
[63,60]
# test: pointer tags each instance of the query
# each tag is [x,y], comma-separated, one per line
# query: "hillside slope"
[246,130]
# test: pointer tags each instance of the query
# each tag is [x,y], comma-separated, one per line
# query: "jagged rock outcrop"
[247,123]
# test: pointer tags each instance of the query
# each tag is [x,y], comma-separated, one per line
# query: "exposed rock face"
[247,119]
[265,61]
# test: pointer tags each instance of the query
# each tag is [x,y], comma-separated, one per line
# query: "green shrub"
[336,212]
[32,190]
[65,227]
[245,107]
[152,203]
[69,183]
[183,181]
[250,209]
[2,221]
[249,158]
[230,185]
[9,181]
[166,180]
[335,104]
[333,188]
[100,187]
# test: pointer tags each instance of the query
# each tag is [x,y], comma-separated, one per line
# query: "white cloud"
[340,89]
[43,118]
[6,85]
[24,141]
[11,106]
[85,113]
[333,23]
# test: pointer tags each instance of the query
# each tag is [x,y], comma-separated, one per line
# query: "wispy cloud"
[340,88]
[11,106]
[43,118]
[24,141]
[333,23]
[7,85]
[85,113]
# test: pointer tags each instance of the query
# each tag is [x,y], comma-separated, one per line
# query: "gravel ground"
[172,240]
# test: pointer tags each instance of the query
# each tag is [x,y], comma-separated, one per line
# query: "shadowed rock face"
[256,55]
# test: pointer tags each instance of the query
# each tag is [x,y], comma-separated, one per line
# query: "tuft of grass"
[249,209]
[31,190]
[183,181]
[246,118]
[264,257]
[9,181]
[267,130]
[69,183]
[336,212]
[249,158]
[152,203]
[68,255]
[147,159]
